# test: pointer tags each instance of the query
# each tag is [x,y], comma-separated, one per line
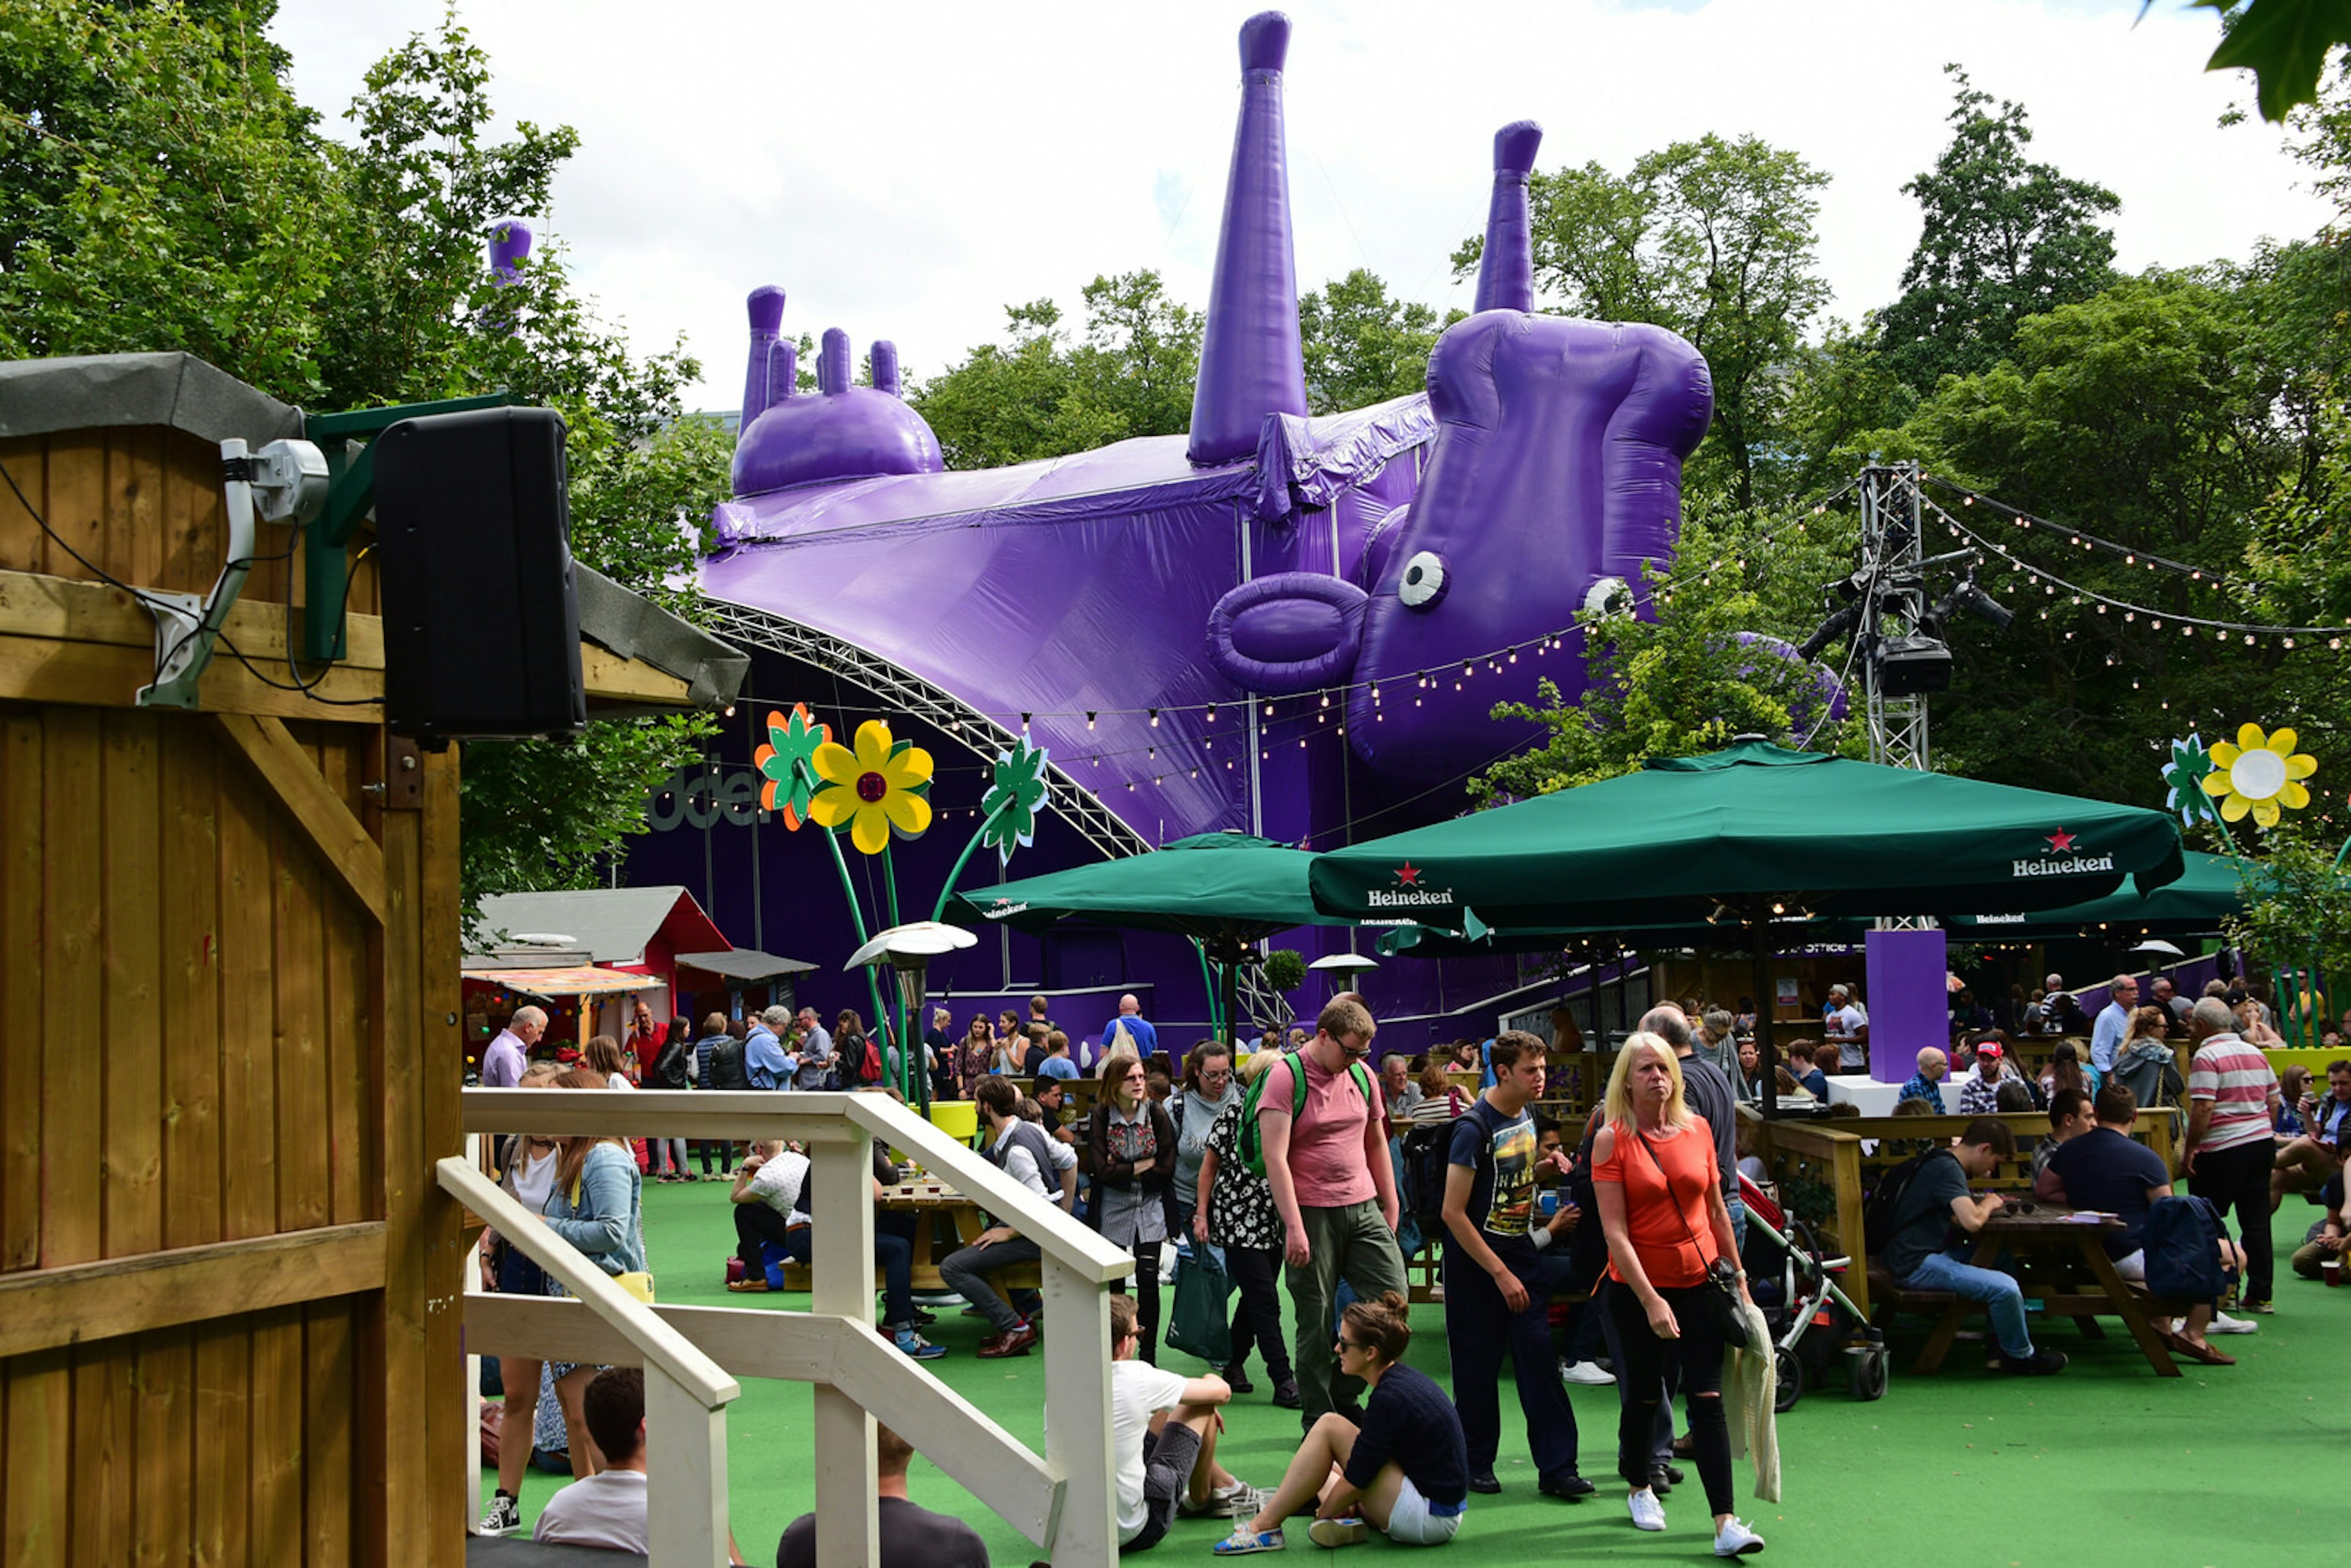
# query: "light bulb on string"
[1155,718]
[1089,721]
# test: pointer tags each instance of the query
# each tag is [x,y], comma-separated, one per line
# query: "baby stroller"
[1811,1318]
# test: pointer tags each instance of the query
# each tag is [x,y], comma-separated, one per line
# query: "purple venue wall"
[1909,1004]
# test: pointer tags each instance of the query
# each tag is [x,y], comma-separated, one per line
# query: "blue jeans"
[1997,1291]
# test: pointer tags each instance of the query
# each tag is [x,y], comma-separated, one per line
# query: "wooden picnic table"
[2060,1260]
[944,1220]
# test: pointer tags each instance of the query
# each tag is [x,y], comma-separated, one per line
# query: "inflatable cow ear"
[1293,631]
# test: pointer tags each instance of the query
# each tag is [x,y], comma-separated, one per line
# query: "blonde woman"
[1661,1210]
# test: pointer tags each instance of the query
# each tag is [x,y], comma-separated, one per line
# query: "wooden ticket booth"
[228,1283]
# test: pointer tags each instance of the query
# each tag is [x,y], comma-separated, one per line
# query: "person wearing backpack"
[1131,1029]
[1323,1138]
[1496,1298]
[2105,1169]
[1921,1202]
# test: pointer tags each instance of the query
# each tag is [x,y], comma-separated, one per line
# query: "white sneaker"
[1647,1512]
[2223,1323]
[1735,1540]
[1590,1374]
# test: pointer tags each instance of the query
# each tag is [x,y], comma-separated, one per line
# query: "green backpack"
[1250,1143]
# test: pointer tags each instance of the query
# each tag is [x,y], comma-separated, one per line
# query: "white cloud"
[906,171]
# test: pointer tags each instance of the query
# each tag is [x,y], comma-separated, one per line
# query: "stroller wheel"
[1790,1387]
[1865,1372]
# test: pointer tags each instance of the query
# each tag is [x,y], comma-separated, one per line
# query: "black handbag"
[1719,1292]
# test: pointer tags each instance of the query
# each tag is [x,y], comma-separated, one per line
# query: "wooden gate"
[229,1286]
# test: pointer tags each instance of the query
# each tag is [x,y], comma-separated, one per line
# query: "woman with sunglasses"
[1132,1146]
[1660,1194]
[1405,1472]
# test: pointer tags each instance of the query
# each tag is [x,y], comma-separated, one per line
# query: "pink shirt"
[1327,1162]
[2237,1079]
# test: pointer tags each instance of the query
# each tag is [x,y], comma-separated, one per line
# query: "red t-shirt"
[1671,1231]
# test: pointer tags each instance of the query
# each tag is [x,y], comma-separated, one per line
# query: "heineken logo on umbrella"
[1408,892]
[2060,842]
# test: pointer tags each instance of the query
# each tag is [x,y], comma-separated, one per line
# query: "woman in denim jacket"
[598,1207]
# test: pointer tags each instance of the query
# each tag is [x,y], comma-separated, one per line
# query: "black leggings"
[1146,1291]
[1256,1312]
[1641,1386]
[2239,1179]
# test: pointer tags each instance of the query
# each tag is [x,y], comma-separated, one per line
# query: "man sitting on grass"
[1936,1201]
[1162,1437]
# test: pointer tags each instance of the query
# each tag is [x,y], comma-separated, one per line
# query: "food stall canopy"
[584,981]
[744,966]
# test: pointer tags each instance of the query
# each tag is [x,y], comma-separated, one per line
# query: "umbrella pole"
[1233,1002]
[1766,1055]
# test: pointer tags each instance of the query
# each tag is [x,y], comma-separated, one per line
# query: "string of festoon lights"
[2053,584]
[1326,705]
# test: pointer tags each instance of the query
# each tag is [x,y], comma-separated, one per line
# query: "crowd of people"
[1287,1163]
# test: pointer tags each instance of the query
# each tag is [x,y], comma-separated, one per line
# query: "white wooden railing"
[1064,1502]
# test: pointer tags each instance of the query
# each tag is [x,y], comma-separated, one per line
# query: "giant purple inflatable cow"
[1192,623]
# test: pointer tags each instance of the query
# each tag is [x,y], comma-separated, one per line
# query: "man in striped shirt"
[2232,1101]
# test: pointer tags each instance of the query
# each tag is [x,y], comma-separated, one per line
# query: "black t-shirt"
[2105,1170]
[912,1537]
[1922,1219]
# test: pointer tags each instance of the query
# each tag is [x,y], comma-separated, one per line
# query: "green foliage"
[167,191]
[1285,969]
[2004,238]
[1712,238]
[2296,914]
[2284,43]
[1363,347]
[1040,395]
[1685,683]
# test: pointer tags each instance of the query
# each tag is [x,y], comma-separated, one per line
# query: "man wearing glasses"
[1326,1158]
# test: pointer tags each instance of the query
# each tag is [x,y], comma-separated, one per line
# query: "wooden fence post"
[1077,1439]
[848,1511]
[685,1475]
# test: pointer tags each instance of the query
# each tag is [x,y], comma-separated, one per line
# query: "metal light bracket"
[286,481]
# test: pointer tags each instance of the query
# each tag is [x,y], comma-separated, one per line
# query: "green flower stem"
[1208,983]
[897,998]
[946,889]
[848,888]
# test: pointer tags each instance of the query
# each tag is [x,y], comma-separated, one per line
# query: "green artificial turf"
[2106,1463]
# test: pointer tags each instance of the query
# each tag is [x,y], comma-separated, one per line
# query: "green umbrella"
[1225,891]
[1753,833]
[2207,893]
[1750,828]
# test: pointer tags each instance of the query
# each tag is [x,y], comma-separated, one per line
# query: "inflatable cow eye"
[1424,580]
[1609,596]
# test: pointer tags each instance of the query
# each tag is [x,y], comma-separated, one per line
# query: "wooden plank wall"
[142,505]
[194,1061]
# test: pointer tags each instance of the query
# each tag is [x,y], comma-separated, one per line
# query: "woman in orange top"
[1661,1209]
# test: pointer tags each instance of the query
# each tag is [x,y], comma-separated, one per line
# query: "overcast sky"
[905,171]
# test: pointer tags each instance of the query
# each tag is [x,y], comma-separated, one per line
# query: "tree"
[1688,682]
[175,195]
[1039,395]
[1363,347]
[1711,239]
[2004,238]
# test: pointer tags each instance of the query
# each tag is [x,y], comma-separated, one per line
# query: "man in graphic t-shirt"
[1490,1265]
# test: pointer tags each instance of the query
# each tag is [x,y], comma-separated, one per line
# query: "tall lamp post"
[908,950]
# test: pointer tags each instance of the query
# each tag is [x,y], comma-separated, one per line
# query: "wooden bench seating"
[1890,1298]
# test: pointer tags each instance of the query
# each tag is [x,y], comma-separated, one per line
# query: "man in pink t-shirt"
[1335,1187]
[2233,1104]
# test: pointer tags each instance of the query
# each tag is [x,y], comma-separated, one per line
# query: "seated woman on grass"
[1405,1472]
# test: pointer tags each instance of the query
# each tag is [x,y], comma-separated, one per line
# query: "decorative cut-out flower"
[877,791]
[1015,798]
[2259,774]
[2183,778]
[783,787]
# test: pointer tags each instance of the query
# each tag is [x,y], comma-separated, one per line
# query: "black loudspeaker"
[481,623]
[1911,666]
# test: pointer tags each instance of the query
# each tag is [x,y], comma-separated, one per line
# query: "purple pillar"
[1505,266]
[1909,1006]
[783,371]
[832,363]
[766,307]
[885,367]
[1250,361]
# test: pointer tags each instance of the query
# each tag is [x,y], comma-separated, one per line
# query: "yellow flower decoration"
[875,791]
[2259,774]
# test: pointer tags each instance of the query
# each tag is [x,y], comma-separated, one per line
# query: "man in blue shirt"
[1927,1083]
[2113,1023]
[1489,1263]
[1140,1034]
[763,1054]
